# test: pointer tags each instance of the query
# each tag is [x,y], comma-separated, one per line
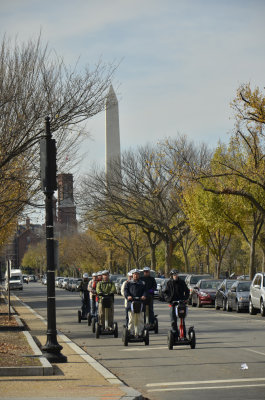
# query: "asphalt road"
[226,342]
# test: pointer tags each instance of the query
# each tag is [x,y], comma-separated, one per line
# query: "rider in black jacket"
[150,287]
[176,289]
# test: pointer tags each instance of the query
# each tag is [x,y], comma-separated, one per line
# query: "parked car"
[32,278]
[243,277]
[114,277]
[57,280]
[60,282]
[68,285]
[204,292]
[238,296]
[158,285]
[221,294]
[65,282]
[192,279]
[25,278]
[119,283]
[76,284]
[44,280]
[162,288]
[257,294]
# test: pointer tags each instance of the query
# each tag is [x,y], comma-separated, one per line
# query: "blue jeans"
[93,306]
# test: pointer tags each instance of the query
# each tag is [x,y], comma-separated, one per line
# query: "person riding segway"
[105,290]
[177,294]
[83,288]
[150,287]
[135,293]
[123,295]
[92,295]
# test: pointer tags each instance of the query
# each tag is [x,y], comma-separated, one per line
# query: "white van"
[16,279]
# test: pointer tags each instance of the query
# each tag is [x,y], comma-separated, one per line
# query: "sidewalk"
[81,377]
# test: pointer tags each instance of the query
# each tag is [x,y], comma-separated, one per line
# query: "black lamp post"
[52,349]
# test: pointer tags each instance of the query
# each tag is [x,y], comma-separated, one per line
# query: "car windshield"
[15,278]
[229,284]
[243,287]
[210,284]
[195,279]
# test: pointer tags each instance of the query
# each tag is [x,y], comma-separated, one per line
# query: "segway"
[137,336]
[148,326]
[181,309]
[82,314]
[106,329]
[92,319]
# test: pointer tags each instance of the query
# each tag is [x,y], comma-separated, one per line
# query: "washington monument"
[113,151]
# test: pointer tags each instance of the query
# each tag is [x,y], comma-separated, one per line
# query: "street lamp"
[52,349]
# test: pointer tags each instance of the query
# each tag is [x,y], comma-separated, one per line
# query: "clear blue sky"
[182,60]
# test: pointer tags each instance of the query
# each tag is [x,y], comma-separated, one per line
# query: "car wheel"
[252,310]
[262,308]
[216,305]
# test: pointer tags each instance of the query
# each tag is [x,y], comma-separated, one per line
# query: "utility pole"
[52,349]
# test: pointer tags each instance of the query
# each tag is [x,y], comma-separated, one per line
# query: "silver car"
[238,296]
[257,295]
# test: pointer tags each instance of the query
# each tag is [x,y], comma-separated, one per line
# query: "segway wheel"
[156,326]
[125,336]
[98,330]
[192,338]
[170,340]
[146,337]
[79,316]
[115,329]
[89,318]
[93,324]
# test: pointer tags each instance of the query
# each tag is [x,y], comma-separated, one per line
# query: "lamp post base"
[52,350]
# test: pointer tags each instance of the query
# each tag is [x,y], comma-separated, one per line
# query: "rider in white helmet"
[129,275]
[85,295]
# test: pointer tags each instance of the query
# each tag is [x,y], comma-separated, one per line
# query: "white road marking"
[205,382]
[144,348]
[257,352]
[207,388]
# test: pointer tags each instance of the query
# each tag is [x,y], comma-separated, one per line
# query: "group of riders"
[143,288]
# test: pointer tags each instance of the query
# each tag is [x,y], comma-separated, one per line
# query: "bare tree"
[36,83]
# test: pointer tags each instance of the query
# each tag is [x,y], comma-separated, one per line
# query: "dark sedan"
[204,292]
[238,296]
[221,294]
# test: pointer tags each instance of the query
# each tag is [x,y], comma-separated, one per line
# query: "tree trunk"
[187,261]
[252,266]
[168,256]
[207,260]
[153,257]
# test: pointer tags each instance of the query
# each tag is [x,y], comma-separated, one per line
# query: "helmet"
[94,274]
[174,272]
[105,272]
[99,273]
[135,271]
[146,269]
[129,273]
[85,275]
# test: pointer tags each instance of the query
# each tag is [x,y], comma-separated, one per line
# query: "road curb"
[45,369]
[131,393]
